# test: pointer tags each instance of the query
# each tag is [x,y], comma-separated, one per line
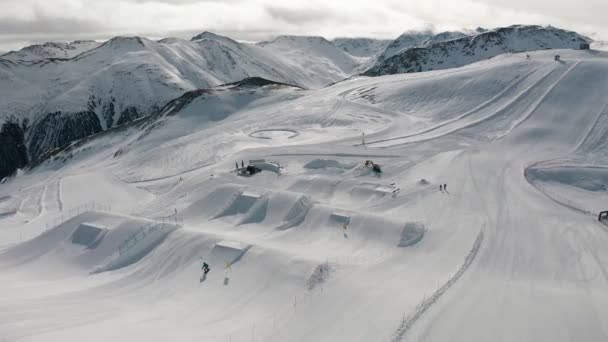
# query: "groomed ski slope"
[318,247]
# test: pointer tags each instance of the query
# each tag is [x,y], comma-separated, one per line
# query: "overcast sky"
[25,22]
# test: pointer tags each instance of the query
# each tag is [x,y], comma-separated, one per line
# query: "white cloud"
[26,21]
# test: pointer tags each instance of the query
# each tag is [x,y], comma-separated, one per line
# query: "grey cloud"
[297,16]
[181,2]
[46,26]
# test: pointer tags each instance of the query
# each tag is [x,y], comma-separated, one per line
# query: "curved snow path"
[255,134]
[469,120]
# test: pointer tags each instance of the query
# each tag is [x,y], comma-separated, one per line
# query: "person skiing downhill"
[445,187]
[242,164]
[440,187]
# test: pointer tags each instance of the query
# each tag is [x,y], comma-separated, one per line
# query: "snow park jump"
[242,208]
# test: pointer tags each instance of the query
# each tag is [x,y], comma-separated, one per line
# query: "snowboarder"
[206,270]
[237,165]
[445,187]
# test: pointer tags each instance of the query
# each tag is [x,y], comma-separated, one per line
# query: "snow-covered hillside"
[313,56]
[94,88]
[404,42]
[468,49]
[127,77]
[51,50]
[105,240]
[361,47]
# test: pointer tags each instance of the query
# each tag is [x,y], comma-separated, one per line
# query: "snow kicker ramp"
[227,252]
[85,243]
[241,205]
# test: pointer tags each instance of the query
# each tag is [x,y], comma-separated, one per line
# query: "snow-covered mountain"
[362,47]
[405,41]
[127,77]
[51,50]
[468,49]
[309,55]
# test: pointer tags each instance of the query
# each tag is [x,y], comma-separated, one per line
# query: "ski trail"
[42,202]
[519,98]
[595,131]
[59,200]
[24,200]
[478,108]
[538,102]
[32,205]
[426,304]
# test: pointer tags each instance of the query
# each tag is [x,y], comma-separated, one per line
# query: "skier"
[441,187]
[237,165]
[445,187]
[242,164]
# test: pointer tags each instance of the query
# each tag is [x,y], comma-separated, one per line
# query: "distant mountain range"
[455,49]
[61,92]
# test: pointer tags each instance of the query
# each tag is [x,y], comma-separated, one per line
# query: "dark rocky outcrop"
[13,154]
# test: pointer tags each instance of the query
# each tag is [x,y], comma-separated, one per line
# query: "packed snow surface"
[105,241]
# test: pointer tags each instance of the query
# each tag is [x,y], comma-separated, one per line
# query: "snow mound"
[412,233]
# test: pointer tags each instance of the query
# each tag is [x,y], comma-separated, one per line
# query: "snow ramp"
[227,252]
[80,244]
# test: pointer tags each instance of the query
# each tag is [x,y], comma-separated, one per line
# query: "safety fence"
[174,218]
[75,211]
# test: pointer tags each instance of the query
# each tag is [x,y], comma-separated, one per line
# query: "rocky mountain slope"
[51,50]
[468,49]
[362,47]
